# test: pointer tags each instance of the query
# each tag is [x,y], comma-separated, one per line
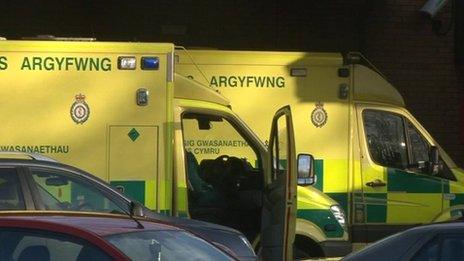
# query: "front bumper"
[336,248]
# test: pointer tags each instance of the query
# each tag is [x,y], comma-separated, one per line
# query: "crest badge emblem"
[319,115]
[80,110]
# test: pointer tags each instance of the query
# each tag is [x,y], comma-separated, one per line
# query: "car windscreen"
[165,245]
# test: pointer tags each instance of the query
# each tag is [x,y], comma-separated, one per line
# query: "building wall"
[420,63]
[391,33]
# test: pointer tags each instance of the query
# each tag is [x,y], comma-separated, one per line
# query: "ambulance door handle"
[376,183]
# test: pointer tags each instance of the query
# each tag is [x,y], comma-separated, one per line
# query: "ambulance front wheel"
[305,247]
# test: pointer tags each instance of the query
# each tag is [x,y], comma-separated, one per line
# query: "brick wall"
[420,63]
[392,33]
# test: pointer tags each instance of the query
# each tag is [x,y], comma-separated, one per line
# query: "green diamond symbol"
[133,134]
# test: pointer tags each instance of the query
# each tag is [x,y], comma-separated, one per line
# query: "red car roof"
[100,224]
[89,226]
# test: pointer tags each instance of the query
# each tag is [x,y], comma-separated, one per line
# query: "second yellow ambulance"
[372,156]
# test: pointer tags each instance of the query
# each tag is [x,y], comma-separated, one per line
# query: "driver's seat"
[202,193]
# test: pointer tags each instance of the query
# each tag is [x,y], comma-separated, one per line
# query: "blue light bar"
[150,63]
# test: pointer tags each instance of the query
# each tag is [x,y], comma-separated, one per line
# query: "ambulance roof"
[260,58]
[369,86]
[85,47]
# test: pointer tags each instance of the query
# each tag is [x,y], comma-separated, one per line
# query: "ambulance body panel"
[191,90]
[367,146]
[376,89]
[119,111]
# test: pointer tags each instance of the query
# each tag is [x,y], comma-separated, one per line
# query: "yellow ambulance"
[372,156]
[119,111]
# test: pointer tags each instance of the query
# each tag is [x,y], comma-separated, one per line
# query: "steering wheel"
[216,171]
[222,158]
[232,170]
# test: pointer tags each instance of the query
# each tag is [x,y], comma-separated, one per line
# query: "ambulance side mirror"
[305,170]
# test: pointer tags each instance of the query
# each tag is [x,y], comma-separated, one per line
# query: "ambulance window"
[385,136]
[64,191]
[218,158]
[279,149]
[210,137]
[420,151]
[419,146]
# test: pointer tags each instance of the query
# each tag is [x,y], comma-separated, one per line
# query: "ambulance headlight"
[339,215]
[127,63]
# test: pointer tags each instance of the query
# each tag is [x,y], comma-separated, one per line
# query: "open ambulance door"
[279,200]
